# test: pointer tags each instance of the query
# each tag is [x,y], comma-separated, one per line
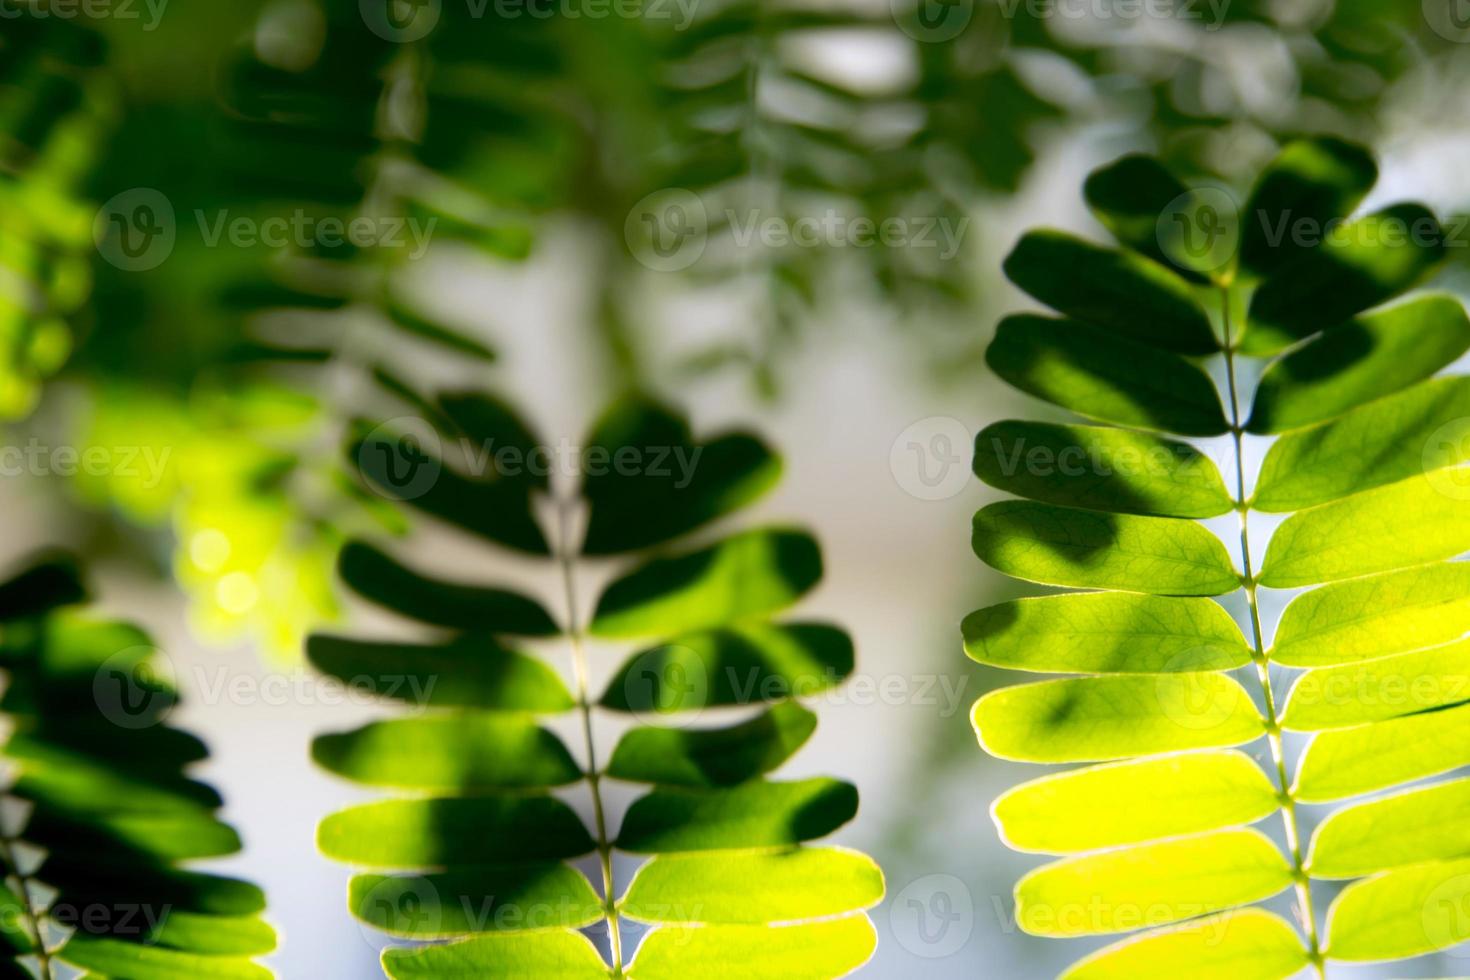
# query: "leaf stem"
[1262,663]
[567,555]
[33,920]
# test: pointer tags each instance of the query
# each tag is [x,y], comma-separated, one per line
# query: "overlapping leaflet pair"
[480,849]
[93,875]
[1366,443]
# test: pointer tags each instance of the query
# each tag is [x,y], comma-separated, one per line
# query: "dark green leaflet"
[1368,460]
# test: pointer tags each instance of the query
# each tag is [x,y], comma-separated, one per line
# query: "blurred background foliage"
[506,117]
[516,124]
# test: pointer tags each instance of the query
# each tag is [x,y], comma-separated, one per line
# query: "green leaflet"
[399,467]
[1150,885]
[753,887]
[1128,196]
[1357,266]
[1413,827]
[1415,431]
[751,574]
[467,753]
[754,814]
[1412,522]
[503,956]
[1135,801]
[471,671]
[114,957]
[1095,719]
[1400,914]
[1355,694]
[1105,377]
[1064,546]
[1105,632]
[472,900]
[832,948]
[1344,763]
[498,434]
[1246,944]
[1123,293]
[740,665]
[713,757]
[657,483]
[1100,468]
[379,578]
[470,830]
[1310,182]
[1375,355]
[1375,616]
[215,935]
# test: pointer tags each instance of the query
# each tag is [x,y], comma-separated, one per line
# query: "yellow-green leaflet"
[1130,802]
[1090,550]
[1375,616]
[1412,522]
[1403,913]
[752,887]
[1151,884]
[832,948]
[1338,697]
[1247,944]
[1095,719]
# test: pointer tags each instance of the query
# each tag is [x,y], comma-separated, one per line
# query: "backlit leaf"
[1085,549]
[1104,377]
[1098,719]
